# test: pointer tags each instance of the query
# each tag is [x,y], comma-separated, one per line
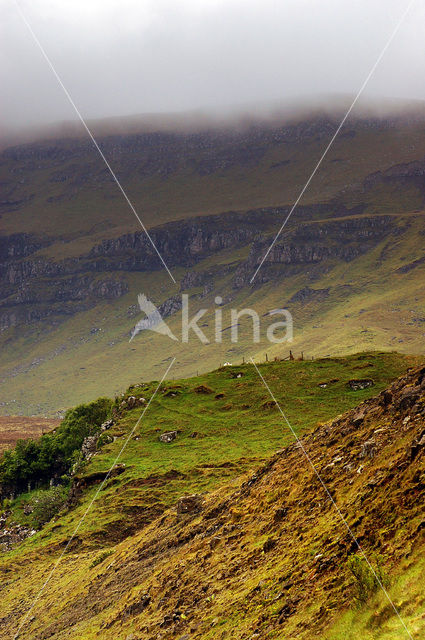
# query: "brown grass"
[13,428]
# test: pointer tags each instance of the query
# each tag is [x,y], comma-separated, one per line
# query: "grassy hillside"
[65,191]
[267,554]
[59,331]
[373,301]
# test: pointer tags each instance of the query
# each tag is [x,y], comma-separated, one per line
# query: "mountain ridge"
[72,269]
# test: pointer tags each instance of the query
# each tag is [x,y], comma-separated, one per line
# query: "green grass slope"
[131,543]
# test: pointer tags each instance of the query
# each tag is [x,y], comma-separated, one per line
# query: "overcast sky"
[120,57]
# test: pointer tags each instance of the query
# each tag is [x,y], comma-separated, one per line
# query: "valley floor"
[13,428]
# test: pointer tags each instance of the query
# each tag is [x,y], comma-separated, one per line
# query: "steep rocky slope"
[267,557]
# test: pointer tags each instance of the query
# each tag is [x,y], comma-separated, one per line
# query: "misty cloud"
[133,56]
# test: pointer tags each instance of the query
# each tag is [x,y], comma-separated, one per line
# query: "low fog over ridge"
[162,57]
[233,116]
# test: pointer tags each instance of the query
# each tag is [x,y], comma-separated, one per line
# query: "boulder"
[325,384]
[215,541]
[168,436]
[106,425]
[172,393]
[385,398]
[131,402]
[408,398]
[358,417]
[88,447]
[369,449]
[359,384]
[417,445]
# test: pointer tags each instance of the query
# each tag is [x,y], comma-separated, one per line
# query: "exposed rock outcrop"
[168,436]
[310,244]
[53,287]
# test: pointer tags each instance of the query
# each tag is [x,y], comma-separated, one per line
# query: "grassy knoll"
[219,438]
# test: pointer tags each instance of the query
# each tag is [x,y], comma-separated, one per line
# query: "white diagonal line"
[55,566]
[347,526]
[83,122]
[332,140]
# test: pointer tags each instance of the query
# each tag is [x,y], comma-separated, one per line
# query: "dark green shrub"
[47,504]
[105,438]
[37,461]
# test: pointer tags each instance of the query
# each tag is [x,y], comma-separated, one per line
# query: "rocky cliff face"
[19,245]
[313,244]
[38,281]
[182,244]
[405,173]
[33,286]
